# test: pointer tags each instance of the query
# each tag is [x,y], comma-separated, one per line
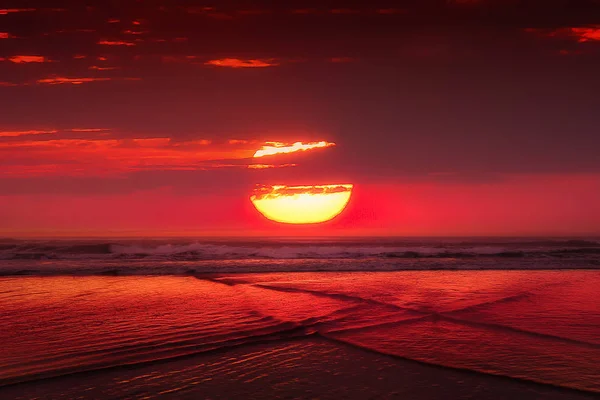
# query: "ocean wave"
[182,251]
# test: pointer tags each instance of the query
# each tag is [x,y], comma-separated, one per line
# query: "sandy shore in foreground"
[415,335]
[303,368]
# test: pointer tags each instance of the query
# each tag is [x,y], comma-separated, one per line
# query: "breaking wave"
[181,250]
[186,257]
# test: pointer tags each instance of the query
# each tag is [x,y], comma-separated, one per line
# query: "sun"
[301,204]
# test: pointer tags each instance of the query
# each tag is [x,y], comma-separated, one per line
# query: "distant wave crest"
[196,250]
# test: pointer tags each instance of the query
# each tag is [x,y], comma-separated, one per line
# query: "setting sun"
[301,204]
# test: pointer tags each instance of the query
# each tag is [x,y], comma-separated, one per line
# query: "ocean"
[300,318]
[191,256]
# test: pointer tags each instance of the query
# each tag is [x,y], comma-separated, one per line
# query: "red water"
[535,326]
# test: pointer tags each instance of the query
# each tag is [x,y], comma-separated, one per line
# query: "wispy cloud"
[99,151]
[243,63]
[240,141]
[587,34]
[21,59]
[89,130]
[61,80]
[116,43]
[6,11]
[273,148]
[270,166]
[580,34]
[268,191]
[97,68]
[26,133]
[201,142]
[108,155]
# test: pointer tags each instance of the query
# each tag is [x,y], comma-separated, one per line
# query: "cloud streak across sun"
[273,148]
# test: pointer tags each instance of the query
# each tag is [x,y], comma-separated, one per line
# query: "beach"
[421,334]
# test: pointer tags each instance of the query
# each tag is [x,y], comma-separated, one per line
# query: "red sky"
[449,117]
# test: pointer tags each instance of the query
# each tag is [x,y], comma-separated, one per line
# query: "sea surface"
[287,318]
[190,256]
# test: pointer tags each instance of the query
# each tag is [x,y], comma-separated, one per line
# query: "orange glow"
[301,204]
[28,59]
[272,148]
[238,63]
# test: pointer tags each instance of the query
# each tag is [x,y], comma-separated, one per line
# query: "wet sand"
[304,368]
[424,335]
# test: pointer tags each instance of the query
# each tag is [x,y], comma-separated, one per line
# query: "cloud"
[201,142]
[109,155]
[4,35]
[247,62]
[132,32]
[587,34]
[152,142]
[272,148]
[240,141]
[89,130]
[270,166]
[116,43]
[243,63]
[102,154]
[6,11]
[97,68]
[25,133]
[268,191]
[60,80]
[580,34]
[28,59]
